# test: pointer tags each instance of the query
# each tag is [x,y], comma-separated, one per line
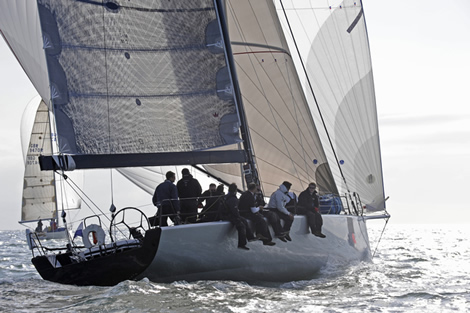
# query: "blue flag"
[78,232]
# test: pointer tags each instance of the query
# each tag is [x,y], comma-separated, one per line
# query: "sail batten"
[266,48]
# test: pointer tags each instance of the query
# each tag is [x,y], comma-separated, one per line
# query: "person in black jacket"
[189,190]
[210,210]
[308,205]
[165,199]
[229,212]
[249,210]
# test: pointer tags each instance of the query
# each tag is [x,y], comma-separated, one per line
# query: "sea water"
[422,268]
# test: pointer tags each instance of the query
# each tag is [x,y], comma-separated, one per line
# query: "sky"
[421,63]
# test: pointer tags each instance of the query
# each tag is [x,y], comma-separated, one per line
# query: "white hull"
[208,251]
[60,234]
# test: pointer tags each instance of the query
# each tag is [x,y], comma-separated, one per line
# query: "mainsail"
[43,193]
[136,79]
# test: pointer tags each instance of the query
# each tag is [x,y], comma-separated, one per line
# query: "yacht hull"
[59,234]
[105,266]
[208,251]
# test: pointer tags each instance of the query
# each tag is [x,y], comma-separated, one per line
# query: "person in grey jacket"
[277,204]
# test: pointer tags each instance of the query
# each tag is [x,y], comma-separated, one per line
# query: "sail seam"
[189,94]
[149,10]
[181,48]
[270,122]
[297,122]
[264,92]
[296,165]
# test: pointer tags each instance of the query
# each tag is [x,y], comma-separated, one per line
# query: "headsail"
[20,27]
[285,142]
[334,48]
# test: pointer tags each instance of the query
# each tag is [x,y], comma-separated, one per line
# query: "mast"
[49,132]
[249,170]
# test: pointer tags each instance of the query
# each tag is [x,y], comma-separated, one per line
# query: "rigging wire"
[74,187]
[112,208]
[83,195]
[380,238]
[49,129]
[105,49]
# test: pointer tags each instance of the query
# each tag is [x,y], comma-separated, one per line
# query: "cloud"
[421,120]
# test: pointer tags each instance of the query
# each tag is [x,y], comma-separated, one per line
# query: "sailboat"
[41,199]
[244,91]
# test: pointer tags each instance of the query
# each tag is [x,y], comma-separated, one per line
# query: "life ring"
[98,236]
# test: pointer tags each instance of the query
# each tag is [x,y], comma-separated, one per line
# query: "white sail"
[146,178]
[331,38]
[21,29]
[285,142]
[39,197]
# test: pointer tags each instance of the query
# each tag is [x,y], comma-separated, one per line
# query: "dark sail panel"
[131,78]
